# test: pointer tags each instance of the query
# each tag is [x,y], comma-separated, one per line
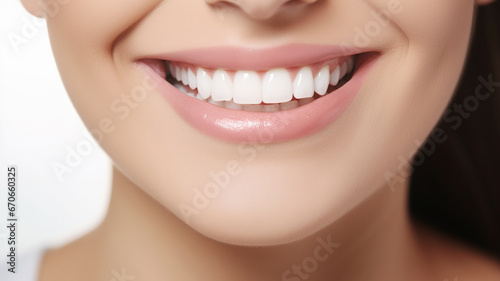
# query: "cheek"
[96,24]
[437,34]
[436,24]
[426,67]
[82,35]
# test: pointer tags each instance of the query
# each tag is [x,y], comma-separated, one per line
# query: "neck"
[140,238]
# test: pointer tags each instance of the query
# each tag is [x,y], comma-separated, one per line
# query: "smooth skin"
[291,197]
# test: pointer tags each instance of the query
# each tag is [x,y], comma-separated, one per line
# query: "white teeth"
[222,87]
[321,81]
[303,85]
[178,73]
[277,86]
[246,91]
[247,88]
[191,79]
[184,76]
[204,83]
[335,76]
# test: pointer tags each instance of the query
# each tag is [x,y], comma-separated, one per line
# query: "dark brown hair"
[457,187]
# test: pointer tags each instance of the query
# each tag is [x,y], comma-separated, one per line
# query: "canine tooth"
[204,83]
[218,103]
[247,88]
[277,86]
[271,107]
[222,87]
[303,85]
[252,107]
[305,101]
[191,79]
[350,65]
[289,105]
[184,76]
[232,105]
[343,70]
[335,76]
[178,73]
[321,81]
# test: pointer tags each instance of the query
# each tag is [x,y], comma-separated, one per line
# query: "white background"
[37,125]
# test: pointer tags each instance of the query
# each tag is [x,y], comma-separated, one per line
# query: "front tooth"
[343,70]
[303,86]
[184,76]
[222,87]
[247,88]
[321,81]
[204,82]
[335,76]
[350,65]
[277,86]
[191,79]
[289,105]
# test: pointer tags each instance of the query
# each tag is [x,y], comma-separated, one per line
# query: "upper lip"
[249,58]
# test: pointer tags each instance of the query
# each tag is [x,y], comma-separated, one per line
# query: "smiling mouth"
[264,95]
[277,89]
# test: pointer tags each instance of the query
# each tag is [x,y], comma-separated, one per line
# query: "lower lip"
[238,126]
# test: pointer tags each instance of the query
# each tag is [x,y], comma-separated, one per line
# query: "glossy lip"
[237,126]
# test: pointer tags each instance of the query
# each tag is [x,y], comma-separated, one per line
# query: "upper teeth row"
[247,87]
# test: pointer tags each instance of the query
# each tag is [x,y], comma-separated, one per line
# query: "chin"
[265,212]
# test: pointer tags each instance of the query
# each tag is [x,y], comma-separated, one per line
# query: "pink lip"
[258,59]
[260,127]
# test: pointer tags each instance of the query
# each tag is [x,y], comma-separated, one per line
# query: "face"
[299,108]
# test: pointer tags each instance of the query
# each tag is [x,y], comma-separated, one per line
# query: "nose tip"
[259,9]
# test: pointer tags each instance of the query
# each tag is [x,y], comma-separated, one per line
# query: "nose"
[260,9]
